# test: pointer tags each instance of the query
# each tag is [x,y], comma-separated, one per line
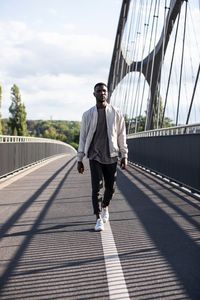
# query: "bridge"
[150,247]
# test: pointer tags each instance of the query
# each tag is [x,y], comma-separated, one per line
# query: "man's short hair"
[100,83]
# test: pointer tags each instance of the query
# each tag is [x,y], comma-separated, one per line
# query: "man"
[102,139]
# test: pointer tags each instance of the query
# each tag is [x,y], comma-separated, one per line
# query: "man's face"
[101,93]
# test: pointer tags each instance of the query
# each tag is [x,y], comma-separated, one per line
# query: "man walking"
[102,140]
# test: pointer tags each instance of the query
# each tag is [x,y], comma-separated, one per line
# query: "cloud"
[29,52]
[57,96]
[55,72]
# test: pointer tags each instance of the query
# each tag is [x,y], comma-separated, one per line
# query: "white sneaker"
[99,225]
[105,214]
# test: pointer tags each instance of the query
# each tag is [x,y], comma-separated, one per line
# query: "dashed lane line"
[116,281]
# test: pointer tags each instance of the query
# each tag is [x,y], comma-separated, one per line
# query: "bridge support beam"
[151,65]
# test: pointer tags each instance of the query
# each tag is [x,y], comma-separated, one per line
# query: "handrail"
[182,129]
[27,139]
[19,152]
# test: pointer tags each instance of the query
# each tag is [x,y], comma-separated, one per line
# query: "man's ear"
[94,93]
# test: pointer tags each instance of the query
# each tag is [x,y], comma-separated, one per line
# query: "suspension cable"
[151,76]
[170,71]
[193,94]
[154,53]
[162,60]
[182,56]
[138,47]
[146,28]
[127,92]
[137,43]
[135,58]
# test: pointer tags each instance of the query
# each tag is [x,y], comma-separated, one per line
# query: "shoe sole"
[98,230]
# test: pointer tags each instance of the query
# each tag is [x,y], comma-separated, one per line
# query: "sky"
[55,51]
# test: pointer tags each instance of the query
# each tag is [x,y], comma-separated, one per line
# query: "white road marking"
[116,282]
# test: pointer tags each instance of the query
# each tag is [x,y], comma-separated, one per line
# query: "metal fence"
[173,153]
[19,152]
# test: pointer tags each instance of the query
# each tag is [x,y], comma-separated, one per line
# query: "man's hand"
[80,167]
[123,163]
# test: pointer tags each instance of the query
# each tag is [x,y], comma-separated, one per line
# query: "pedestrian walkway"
[49,249]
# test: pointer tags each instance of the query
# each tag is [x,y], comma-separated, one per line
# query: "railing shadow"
[174,244]
[60,257]
[13,219]
[16,216]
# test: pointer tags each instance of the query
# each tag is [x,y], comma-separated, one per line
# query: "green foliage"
[5,129]
[158,112]
[65,131]
[138,124]
[135,124]
[75,145]
[17,120]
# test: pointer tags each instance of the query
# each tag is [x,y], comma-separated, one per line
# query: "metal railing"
[182,129]
[18,152]
[170,152]
[29,139]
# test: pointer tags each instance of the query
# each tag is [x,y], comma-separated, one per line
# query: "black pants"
[102,175]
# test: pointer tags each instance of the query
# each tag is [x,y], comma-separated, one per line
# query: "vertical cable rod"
[162,60]
[151,38]
[193,94]
[181,70]
[170,71]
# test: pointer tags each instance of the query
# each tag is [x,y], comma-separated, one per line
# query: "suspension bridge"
[150,247]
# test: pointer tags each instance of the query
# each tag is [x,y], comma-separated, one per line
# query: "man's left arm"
[122,143]
[123,163]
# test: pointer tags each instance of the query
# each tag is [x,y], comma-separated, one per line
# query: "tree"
[17,121]
[159,120]
[1,129]
[50,133]
[136,124]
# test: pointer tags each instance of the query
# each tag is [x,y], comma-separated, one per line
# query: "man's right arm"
[82,140]
[80,167]
[122,141]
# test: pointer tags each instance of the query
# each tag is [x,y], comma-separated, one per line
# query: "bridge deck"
[49,250]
